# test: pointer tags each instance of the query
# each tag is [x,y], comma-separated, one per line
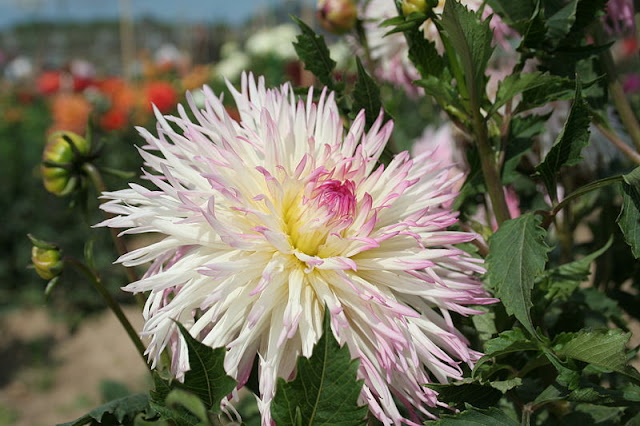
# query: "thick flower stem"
[113,305]
[490,171]
[121,248]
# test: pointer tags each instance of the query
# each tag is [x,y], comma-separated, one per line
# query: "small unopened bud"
[61,162]
[337,16]
[46,258]
[410,6]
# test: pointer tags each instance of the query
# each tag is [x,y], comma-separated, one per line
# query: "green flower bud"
[411,6]
[337,16]
[61,160]
[48,262]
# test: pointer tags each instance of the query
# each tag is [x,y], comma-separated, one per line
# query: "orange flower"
[196,78]
[70,112]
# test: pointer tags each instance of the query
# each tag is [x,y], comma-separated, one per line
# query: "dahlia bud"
[337,16]
[61,161]
[410,6]
[46,258]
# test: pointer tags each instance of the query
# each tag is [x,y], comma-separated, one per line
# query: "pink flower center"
[337,197]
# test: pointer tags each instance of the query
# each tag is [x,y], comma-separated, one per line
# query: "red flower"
[161,94]
[48,82]
[114,119]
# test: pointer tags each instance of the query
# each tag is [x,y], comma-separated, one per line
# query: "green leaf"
[565,279]
[604,348]
[475,417]
[179,415]
[123,409]
[559,23]
[566,150]
[325,390]
[471,39]
[313,51]
[555,89]
[180,399]
[443,92]
[206,378]
[507,342]
[517,255]
[473,393]
[522,133]
[537,86]
[629,219]
[366,95]
[513,13]
[423,53]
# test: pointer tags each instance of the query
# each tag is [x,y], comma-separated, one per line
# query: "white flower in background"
[19,68]
[273,41]
[268,220]
[168,54]
[233,62]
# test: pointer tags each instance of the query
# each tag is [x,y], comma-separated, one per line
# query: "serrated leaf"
[506,385]
[517,255]
[366,95]
[513,13]
[604,348]
[325,390]
[507,342]
[471,39]
[537,86]
[559,23]
[206,378]
[476,417]
[313,51]
[629,218]
[423,53]
[565,279]
[555,89]
[473,393]
[566,150]
[122,409]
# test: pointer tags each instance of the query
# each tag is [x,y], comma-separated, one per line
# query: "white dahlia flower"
[268,220]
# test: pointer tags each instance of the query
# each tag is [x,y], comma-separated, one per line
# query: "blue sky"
[234,11]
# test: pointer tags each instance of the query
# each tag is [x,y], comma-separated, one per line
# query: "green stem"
[620,101]
[525,420]
[585,190]
[549,216]
[490,169]
[113,305]
[96,178]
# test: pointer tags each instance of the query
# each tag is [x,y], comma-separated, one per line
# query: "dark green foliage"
[122,409]
[566,150]
[325,390]
[629,219]
[366,95]
[312,50]
[475,417]
[517,255]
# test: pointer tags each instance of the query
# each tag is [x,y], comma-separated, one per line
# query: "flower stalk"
[111,303]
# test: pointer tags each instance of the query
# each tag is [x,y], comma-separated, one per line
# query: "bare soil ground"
[49,376]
